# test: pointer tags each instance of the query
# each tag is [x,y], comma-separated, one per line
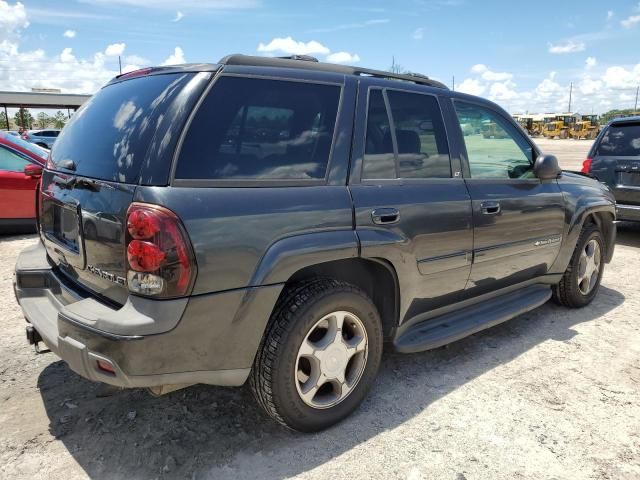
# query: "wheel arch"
[376,277]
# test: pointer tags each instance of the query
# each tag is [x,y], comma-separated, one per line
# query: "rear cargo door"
[617,161]
[124,132]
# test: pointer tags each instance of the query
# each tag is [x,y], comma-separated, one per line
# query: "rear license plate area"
[64,228]
[629,179]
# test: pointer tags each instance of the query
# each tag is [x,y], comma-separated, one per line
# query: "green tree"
[23,118]
[59,119]
[43,120]
[3,121]
[611,114]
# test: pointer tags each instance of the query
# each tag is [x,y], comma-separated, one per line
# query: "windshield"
[35,149]
[109,137]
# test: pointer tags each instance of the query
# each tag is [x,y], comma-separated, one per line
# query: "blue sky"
[520,56]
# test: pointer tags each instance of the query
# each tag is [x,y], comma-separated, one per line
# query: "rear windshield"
[109,136]
[250,128]
[620,141]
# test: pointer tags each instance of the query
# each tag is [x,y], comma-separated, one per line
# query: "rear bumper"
[630,213]
[213,341]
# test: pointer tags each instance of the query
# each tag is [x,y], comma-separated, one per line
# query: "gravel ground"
[553,394]
[571,153]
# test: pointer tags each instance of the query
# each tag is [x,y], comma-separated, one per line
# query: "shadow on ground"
[628,234]
[210,432]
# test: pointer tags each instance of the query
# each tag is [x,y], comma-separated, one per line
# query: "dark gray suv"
[614,159]
[276,220]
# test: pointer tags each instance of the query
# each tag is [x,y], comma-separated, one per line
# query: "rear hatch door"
[617,161]
[123,137]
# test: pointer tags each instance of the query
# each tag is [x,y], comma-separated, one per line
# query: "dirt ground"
[553,394]
[571,153]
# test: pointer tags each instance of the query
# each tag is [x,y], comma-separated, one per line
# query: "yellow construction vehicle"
[493,130]
[559,127]
[587,127]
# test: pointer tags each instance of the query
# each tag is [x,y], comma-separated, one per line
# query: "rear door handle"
[385,216]
[490,207]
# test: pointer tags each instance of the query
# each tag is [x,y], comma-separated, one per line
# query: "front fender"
[576,215]
[291,254]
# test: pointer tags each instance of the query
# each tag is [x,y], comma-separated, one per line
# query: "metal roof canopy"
[42,100]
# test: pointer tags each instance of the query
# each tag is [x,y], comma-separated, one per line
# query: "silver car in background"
[44,138]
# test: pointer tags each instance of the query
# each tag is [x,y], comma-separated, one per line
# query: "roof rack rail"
[311,63]
[302,58]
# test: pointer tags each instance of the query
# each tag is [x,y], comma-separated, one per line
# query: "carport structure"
[68,101]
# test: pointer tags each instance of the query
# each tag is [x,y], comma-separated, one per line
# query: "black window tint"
[109,136]
[420,137]
[379,159]
[249,128]
[423,151]
[620,141]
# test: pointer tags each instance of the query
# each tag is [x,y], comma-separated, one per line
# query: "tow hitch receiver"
[33,337]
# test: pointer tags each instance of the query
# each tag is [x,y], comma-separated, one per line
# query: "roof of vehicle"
[300,62]
[32,151]
[35,130]
[634,119]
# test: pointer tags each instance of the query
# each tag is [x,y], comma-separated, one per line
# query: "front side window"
[495,149]
[10,162]
[259,129]
[417,148]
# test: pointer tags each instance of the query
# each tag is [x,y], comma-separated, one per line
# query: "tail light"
[586,165]
[160,259]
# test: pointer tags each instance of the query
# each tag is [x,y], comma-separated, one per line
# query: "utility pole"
[120,64]
[635,108]
[453,83]
[570,93]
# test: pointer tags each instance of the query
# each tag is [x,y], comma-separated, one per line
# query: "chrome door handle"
[490,208]
[385,216]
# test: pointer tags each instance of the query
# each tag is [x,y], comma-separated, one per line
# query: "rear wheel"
[581,280]
[320,355]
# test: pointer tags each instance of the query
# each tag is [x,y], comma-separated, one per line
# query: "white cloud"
[350,26]
[115,49]
[66,56]
[25,69]
[567,47]
[591,62]
[177,57]
[343,57]
[12,17]
[503,91]
[471,86]
[610,14]
[69,34]
[630,21]
[179,16]
[490,75]
[618,77]
[418,33]
[291,47]
[185,4]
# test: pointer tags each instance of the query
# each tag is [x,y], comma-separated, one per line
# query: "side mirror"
[32,170]
[546,167]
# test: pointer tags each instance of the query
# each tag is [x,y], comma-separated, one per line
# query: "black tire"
[567,292]
[273,377]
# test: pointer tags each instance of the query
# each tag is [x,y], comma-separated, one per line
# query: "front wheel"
[581,280]
[320,355]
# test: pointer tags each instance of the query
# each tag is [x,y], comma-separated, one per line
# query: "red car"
[21,165]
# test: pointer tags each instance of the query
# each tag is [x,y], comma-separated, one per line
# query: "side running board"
[448,328]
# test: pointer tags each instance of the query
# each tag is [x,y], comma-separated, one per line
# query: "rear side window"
[417,148]
[259,129]
[620,141]
[109,136]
